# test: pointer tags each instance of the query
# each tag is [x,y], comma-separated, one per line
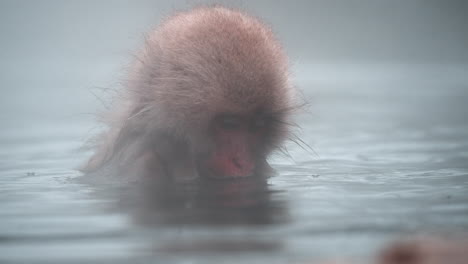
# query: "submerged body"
[208,96]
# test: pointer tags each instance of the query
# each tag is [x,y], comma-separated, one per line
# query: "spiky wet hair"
[197,64]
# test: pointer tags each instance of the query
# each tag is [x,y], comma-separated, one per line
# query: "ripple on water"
[384,163]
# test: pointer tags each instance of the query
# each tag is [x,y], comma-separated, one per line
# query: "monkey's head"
[218,81]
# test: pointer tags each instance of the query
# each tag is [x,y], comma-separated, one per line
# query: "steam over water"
[386,129]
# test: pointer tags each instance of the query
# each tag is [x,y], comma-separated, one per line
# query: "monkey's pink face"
[237,140]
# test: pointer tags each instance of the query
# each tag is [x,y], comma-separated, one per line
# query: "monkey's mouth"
[228,170]
[213,174]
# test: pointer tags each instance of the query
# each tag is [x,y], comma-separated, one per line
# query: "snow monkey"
[208,96]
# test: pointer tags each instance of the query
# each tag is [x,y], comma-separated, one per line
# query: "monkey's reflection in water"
[241,201]
[216,206]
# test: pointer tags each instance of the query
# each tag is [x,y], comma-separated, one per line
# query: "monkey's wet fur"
[209,95]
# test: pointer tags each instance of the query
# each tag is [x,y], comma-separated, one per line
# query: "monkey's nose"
[237,163]
[243,168]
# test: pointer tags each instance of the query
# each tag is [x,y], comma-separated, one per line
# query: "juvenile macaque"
[208,96]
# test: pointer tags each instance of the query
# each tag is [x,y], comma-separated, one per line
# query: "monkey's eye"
[259,124]
[229,122]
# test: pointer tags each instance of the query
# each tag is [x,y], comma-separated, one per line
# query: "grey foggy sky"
[356,31]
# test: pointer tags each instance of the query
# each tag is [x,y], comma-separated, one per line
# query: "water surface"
[388,159]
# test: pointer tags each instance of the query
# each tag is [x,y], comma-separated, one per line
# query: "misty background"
[53,52]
